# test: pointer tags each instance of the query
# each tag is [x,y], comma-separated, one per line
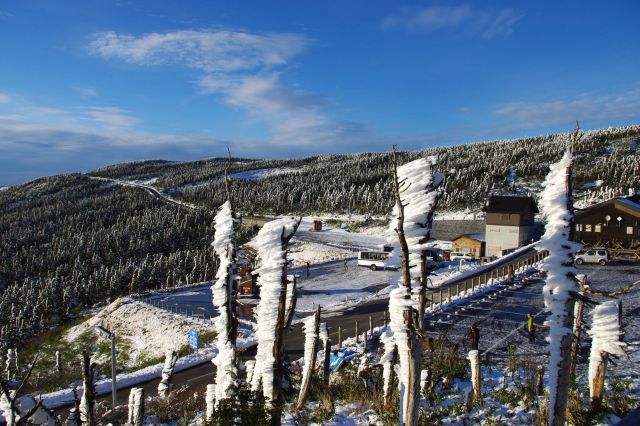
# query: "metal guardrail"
[484,277]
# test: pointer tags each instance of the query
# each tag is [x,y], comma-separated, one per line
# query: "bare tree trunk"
[326,364]
[87,403]
[598,384]
[292,299]
[136,407]
[409,411]
[312,329]
[578,325]
[540,380]
[564,378]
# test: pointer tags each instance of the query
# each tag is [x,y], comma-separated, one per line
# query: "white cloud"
[212,51]
[107,116]
[4,98]
[488,23]
[586,107]
[86,92]
[245,68]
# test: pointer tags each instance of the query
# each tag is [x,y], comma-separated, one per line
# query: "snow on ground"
[150,331]
[333,286]
[263,173]
[302,252]
[336,237]
[148,181]
[459,215]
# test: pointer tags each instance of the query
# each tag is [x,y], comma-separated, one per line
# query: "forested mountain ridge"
[70,241]
[359,183]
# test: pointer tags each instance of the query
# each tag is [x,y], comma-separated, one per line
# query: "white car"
[595,255]
[457,255]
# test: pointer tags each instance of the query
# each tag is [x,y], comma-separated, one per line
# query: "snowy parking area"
[333,286]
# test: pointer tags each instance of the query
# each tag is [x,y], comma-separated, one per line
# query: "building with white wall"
[510,223]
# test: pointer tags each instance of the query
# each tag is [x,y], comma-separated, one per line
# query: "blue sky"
[89,83]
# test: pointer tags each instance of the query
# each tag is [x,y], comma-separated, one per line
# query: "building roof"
[629,204]
[511,204]
[477,237]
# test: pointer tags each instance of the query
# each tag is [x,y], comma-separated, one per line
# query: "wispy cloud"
[244,67]
[107,116]
[85,92]
[600,109]
[211,51]
[489,23]
[5,14]
[4,98]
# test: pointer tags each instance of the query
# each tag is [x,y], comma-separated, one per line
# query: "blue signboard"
[193,339]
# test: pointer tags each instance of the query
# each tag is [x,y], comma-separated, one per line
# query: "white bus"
[373,259]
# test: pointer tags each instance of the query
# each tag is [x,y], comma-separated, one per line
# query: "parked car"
[594,255]
[457,255]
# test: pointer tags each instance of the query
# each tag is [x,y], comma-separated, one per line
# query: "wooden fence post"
[339,337]
[357,335]
[370,324]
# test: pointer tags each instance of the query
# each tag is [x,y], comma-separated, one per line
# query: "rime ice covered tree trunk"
[226,323]
[87,402]
[605,333]
[272,243]
[557,205]
[311,332]
[388,360]
[136,407]
[164,387]
[326,344]
[415,187]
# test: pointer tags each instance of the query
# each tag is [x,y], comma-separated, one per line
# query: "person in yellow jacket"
[531,328]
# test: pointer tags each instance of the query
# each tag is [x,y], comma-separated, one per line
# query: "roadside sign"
[193,339]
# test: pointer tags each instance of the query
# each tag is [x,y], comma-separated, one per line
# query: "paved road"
[456,323]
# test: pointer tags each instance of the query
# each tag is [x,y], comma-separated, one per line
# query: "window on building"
[630,230]
[597,228]
[578,227]
[587,228]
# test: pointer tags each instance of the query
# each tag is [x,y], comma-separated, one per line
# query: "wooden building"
[510,223]
[247,284]
[474,244]
[317,226]
[612,223]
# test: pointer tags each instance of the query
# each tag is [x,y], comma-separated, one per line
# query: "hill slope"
[70,241]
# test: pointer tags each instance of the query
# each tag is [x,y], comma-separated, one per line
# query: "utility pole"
[112,336]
